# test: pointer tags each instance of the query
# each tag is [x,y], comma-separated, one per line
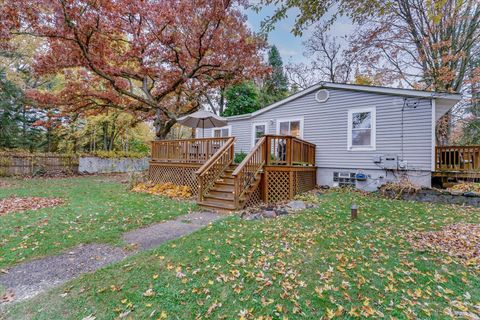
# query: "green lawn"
[96,210]
[313,264]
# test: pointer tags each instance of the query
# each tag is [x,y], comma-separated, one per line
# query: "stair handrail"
[244,175]
[212,169]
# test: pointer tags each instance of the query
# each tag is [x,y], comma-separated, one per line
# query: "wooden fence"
[24,164]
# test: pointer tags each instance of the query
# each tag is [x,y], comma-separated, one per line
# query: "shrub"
[239,157]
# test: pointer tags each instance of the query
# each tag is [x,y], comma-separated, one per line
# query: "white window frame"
[373,145]
[253,130]
[300,119]
[229,127]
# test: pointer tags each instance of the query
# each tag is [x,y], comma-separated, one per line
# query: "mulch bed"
[16,204]
[460,241]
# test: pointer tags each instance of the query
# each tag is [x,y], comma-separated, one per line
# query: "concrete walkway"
[31,278]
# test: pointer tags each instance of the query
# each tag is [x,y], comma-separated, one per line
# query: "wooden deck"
[457,162]
[276,169]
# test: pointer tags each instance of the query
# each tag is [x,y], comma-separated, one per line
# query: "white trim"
[229,127]
[449,99]
[373,146]
[434,127]
[253,130]
[322,100]
[394,91]
[291,120]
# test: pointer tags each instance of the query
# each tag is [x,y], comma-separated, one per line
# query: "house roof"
[446,100]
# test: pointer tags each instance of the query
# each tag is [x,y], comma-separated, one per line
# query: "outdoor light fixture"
[354,211]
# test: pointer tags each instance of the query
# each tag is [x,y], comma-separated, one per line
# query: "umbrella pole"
[203,128]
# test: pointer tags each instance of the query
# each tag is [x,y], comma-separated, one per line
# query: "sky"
[291,47]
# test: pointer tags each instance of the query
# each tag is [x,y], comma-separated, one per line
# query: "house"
[365,136]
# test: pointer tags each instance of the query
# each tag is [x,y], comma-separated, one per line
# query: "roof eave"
[352,87]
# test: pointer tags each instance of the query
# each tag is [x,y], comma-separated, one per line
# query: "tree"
[10,113]
[153,57]
[275,84]
[426,44]
[329,59]
[241,99]
[301,76]
[19,114]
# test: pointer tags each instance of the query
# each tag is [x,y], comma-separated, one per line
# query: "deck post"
[265,187]
[267,150]
[289,151]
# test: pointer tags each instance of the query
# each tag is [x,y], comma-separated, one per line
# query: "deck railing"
[186,150]
[246,172]
[289,150]
[457,158]
[211,170]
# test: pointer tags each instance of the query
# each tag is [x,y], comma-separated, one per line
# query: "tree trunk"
[163,125]
[105,135]
[162,128]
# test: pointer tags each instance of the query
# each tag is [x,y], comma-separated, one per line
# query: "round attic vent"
[322,95]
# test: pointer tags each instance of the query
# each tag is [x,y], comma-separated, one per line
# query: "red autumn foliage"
[14,204]
[152,57]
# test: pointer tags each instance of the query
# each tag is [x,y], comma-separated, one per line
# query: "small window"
[322,95]
[292,127]
[259,130]
[361,129]
[222,132]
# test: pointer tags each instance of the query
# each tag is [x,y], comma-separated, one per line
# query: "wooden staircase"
[227,187]
[222,195]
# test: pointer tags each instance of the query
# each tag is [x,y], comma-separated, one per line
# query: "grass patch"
[95,210]
[317,263]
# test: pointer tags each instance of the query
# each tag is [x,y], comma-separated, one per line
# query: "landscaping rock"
[296,205]
[312,205]
[281,212]
[449,196]
[269,214]
[254,216]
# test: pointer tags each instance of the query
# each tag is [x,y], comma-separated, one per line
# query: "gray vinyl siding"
[326,125]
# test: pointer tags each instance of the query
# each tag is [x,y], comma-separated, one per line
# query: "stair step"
[224,182]
[226,197]
[223,187]
[218,205]
[228,194]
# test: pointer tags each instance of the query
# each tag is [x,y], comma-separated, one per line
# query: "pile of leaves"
[310,197]
[466,187]
[16,204]
[460,241]
[4,184]
[164,189]
[395,190]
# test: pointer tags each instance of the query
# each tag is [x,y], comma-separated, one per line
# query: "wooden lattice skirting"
[278,182]
[255,197]
[284,182]
[180,174]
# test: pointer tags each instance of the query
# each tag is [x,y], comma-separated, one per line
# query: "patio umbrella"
[202,119]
